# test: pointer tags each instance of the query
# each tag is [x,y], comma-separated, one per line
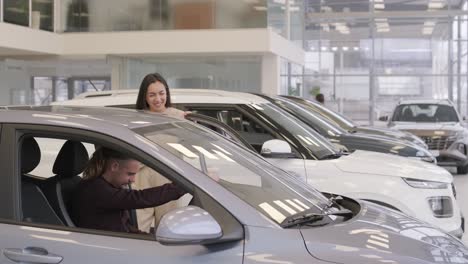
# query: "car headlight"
[441,206]
[462,148]
[422,184]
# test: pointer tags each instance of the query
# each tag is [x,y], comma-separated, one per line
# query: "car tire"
[462,169]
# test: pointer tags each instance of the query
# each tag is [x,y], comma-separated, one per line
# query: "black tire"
[462,169]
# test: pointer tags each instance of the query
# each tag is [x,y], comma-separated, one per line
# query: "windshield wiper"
[296,219]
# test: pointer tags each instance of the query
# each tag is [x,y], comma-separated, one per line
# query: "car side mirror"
[383,118]
[276,148]
[186,226]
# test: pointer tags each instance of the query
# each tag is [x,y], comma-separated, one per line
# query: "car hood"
[381,235]
[380,144]
[428,128]
[366,162]
[389,133]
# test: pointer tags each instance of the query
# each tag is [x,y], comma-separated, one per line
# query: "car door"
[253,132]
[27,240]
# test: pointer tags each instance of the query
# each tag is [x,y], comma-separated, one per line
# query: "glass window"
[425,113]
[16,12]
[324,127]
[253,180]
[309,138]
[248,129]
[50,147]
[42,90]
[109,15]
[42,15]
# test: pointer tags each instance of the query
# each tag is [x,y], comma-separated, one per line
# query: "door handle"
[31,255]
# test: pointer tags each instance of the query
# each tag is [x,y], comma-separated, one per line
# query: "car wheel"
[462,169]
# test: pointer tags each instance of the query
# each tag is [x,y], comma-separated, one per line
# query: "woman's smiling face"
[156,97]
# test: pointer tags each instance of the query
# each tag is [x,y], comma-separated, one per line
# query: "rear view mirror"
[383,118]
[186,226]
[276,148]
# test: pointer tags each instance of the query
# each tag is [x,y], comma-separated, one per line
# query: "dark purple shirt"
[97,204]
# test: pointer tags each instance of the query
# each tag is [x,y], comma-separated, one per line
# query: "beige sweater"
[148,178]
[150,217]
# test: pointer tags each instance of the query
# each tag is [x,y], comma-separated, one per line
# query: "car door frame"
[12,133]
[236,138]
[277,131]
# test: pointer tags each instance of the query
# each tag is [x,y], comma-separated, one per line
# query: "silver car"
[439,124]
[244,210]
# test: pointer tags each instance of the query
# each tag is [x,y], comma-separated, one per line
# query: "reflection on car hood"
[380,143]
[381,235]
[387,132]
[366,162]
[414,128]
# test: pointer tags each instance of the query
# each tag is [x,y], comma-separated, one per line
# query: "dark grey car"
[243,209]
[350,126]
[351,141]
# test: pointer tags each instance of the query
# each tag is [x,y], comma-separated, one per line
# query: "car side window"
[247,128]
[50,147]
[51,171]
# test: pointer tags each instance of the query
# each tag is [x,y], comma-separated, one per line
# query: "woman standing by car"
[154,96]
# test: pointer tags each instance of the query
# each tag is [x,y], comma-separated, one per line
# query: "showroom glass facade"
[366,55]
[40,82]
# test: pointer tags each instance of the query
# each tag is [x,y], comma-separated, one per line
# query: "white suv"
[417,188]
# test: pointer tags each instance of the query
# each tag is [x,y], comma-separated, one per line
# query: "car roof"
[180,96]
[426,101]
[94,118]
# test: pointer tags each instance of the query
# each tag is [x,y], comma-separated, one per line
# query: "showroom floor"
[461,185]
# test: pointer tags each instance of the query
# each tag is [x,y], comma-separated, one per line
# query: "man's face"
[123,172]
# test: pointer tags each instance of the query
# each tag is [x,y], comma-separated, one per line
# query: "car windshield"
[311,118]
[431,113]
[273,192]
[309,138]
[337,118]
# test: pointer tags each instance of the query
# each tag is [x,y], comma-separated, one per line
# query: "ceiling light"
[260,8]
[383,29]
[334,48]
[379,6]
[345,48]
[436,5]
[427,30]
[356,48]
[429,24]
[324,48]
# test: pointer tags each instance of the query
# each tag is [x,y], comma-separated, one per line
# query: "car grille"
[438,142]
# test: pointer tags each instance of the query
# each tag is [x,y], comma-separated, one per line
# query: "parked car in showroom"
[439,124]
[351,141]
[350,126]
[252,212]
[417,188]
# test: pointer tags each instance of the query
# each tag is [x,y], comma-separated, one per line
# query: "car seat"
[35,206]
[407,114]
[69,164]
